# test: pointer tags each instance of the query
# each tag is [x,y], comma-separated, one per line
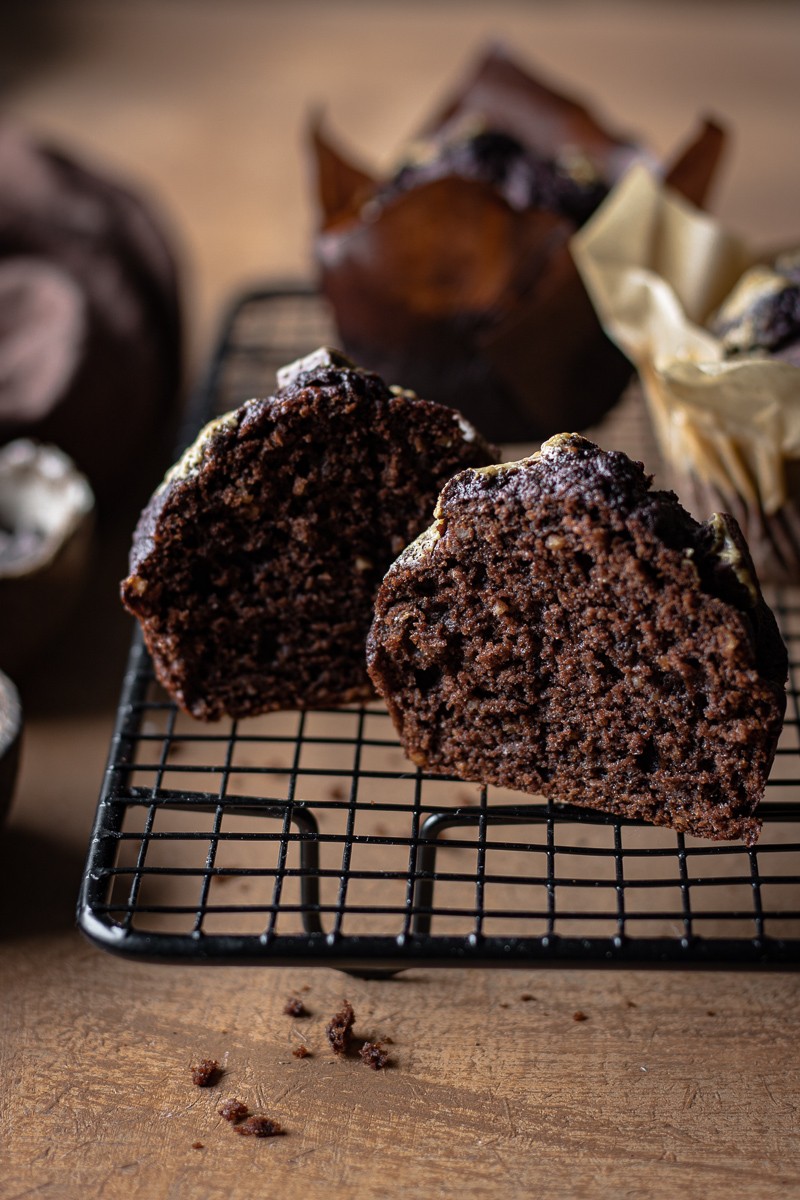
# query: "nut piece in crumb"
[301,1052]
[233,1109]
[206,1072]
[374,1055]
[294,1007]
[260,1126]
[579,1016]
[339,1028]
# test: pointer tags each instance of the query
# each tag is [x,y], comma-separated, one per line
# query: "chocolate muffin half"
[255,565]
[562,629]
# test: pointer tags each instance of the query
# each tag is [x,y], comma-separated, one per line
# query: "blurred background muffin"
[714,333]
[90,337]
[452,272]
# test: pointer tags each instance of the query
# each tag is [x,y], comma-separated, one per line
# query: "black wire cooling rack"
[308,838]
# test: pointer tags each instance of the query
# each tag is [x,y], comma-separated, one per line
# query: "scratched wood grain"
[674,1084]
[671,1084]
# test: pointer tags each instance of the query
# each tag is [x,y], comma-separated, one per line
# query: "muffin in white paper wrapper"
[657,269]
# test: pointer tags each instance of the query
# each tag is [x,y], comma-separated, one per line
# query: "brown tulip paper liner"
[448,289]
[728,430]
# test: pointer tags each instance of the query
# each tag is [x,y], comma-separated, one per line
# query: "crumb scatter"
[233,1109]
[260,1126]
[374,1055]
[340,1027]
[294,1007]
[206,1072]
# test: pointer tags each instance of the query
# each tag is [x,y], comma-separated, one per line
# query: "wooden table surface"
[676,1083]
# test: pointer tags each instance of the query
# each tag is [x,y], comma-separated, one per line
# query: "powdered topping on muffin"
[728,546]
[192,458]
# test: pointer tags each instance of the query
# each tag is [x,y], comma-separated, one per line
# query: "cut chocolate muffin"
[561,629]
[255,565]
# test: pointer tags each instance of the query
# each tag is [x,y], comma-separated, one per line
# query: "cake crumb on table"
[198,1146]
[301,1052]
[260,1126]
[294,1007]
[206,1072]
[233,1109]
[339,1028]
[579,1016]
[374,1055]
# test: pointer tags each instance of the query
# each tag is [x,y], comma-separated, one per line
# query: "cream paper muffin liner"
[656,268]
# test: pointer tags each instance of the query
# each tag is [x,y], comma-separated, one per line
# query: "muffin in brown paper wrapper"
[461,288]
[728,425]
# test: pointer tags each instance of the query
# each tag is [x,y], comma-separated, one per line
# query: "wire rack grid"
[308,838]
